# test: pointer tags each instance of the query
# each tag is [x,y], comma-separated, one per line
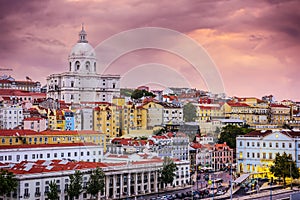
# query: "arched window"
[70,66]
[87,65]
[77,65]
[95,67]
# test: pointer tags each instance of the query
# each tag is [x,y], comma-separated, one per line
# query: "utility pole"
[231,181]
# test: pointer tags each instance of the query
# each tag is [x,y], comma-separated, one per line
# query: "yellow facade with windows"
[20,137]
[107,119]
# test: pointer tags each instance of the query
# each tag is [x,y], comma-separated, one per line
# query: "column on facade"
[136,183]
[121,185]
[107,178]
[142,184]
[114,186]
[128,184]
[155,181]
[149,182]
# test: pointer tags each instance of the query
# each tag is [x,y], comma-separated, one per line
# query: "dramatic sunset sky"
[255,45]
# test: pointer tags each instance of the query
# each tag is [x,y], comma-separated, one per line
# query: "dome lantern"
[82,35]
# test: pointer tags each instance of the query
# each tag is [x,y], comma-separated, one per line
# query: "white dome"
[82,50]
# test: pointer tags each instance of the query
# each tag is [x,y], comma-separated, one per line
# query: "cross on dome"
[82,35]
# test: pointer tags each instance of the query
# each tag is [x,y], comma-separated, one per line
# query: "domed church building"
[82,83]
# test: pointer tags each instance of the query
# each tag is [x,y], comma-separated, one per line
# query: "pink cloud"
[255,44]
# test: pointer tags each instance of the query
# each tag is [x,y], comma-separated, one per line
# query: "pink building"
[37,124]
[222,156]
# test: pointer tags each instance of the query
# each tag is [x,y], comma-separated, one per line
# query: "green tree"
[8,182]
[168,172]
[75,186]
[96,182]
[137,94]
[189,112]
[229,134]
[284,166]
[53,192]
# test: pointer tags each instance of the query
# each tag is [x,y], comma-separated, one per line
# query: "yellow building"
[20,137]
[107,119]
[280,114]
[208,112]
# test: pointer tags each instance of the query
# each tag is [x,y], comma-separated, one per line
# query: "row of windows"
[48,155]
[54,139]
[270,144]
[258,155]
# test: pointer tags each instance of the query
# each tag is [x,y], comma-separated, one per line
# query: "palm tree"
[167,173]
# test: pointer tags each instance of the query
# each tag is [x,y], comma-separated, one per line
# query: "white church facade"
[82,83]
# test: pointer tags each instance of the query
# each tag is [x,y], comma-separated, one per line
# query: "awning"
[242,178]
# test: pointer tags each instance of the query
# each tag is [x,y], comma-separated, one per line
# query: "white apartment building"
[82,83]
[256,151]
[172,114]
[65,151]
[11,117]
[132,179]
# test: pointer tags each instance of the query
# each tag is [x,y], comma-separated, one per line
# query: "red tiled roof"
[27,146]
[21,132]
[33,119]
[278,106]
[237,104]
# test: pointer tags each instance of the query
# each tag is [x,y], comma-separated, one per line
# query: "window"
[247,144]
[48,155]
[55,155]
[264,144]
[62,155]
[283,145]
[253,155]
[258,155]
[258,144]
[290,145]
[253,144]
[248,154]
[77,65]
[87,65]
[276,144]
[241,143]
[270,144]
[270,156]
[264,155]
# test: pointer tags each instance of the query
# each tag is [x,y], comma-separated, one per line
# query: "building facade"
[82,83]
[256,151]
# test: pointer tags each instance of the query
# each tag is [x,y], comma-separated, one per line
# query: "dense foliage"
[53,192]
[189,112]
[284,166]
[8,182]
[168,171]
[75,186]
[96,182]
[137,94]
[230,132]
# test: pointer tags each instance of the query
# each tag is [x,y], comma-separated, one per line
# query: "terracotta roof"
[33,119]
[21,132]
[258,133]
[278,106]
[27,146]
[237,104]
